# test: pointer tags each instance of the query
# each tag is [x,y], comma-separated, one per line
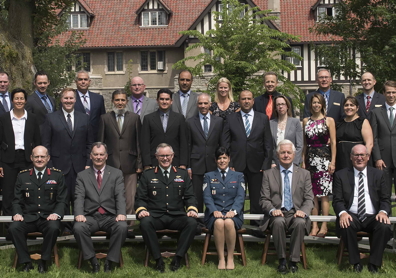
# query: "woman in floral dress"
[320,157]
[224,104]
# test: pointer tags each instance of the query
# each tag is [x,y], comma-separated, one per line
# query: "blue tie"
[286,191]
[247,125]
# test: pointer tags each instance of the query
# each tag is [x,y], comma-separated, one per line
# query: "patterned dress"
[233,107]
[318,156]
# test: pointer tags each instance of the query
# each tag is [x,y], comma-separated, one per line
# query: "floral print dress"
[318,156]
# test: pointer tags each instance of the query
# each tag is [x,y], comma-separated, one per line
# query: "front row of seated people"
[165,200]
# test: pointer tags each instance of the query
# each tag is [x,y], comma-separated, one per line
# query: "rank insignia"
[51,182]
[154,193]
[154,181]
[214,181]
[178,179]
[233,181]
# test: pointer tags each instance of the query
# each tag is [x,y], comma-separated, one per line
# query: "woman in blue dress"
[224,196]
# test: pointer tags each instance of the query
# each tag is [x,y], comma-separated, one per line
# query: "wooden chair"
[166,252]
[303,254]
[36,255]
[99,253]
[342,250]
[239,245]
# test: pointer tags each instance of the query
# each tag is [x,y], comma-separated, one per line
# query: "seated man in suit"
[287,201]
[36,210]
[100,205]
[361,201]
[164,195]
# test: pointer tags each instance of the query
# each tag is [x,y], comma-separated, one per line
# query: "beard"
[120,111]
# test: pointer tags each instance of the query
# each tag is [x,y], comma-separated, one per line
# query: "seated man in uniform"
[162,196]
[38,206]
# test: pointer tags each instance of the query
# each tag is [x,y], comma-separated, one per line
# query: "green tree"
[363,39]
[240,45]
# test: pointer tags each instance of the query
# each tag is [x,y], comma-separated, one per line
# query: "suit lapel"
[211,126]
[274,130]
[170,120]
[106,176]
[37,99]
[197,122]
[144,105]
[192,101]
[240,123]
[255,124]
[63,121]
[177,102]
[158,122]
[277,177]
[351,181]
[370,184]
[126,122]
[114,122]
[385,116]
[92,178]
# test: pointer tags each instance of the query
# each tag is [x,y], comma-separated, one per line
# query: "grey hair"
[205,95]
[285,142]
[163,145]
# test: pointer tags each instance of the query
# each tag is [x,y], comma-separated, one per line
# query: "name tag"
[378,105]
[154,181]
[336,103]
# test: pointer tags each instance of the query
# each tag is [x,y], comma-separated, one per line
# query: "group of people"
[190,152]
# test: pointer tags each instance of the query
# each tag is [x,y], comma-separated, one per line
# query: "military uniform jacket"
[158,197]
[34,199]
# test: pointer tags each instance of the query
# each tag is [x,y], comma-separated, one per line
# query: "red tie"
[368,103]
[99,180]
[268,110]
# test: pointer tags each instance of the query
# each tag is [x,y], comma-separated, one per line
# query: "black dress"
[215,109]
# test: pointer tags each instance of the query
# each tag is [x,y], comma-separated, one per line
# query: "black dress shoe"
[95,268]
[27,267]
[175,264]
[258,233]
[372,268]
[107,266]
[42,267]
[357,268]
[160,266]
[293,267]
[282,269]
[130,234]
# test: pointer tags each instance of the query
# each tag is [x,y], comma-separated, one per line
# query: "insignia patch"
[51,182]
[233,181]
[214,181]
[178,179]
[204,186]
[27,183]
[154,193]
[154,181]
[243,186]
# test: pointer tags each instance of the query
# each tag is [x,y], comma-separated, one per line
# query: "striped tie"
[247,125]
[361,201]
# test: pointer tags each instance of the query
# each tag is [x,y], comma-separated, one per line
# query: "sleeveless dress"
[349,134]
[318,156]
[216,111]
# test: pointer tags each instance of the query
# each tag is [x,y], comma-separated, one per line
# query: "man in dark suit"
[67,135]
[120,130]
[361,201]
[138,102]
[287,201]
[384,131]
[164,195]
[334,99]
[369,99]
[5,96]
[185,101]
[38,210]
[89,102]
[248,135]
[164,126]
[264,102]
[100,205]
[203,140]
[40,103]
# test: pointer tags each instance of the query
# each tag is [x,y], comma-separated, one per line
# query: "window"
[115,61]
[83,61]
[230,8]
[325,11]
[295,61]
[152,60]
[154,18]
[208,68]
[78,17]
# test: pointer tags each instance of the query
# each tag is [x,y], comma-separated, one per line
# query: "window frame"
[115,62]
[152,58]
[293,60]
[150,12]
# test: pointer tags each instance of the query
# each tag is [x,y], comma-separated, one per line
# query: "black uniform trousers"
[380,235]
[254,181]
[18,231]
[186,225]
[70,181]
[101,222]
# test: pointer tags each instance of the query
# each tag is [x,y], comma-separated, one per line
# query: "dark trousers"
[197,181]
[254,181]
[70,180]
[390,174]
[19,230]
[380,235]
[101,222]
[186,225]
[11,171]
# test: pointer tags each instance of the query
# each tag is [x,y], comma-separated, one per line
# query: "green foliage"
[240,45]
[127,86]
[365,29]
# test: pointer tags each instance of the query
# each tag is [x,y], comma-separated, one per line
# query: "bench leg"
[205,247]
[265,249]
[241,248]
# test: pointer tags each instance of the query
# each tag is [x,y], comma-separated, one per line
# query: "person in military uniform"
[163,195]
[39,204]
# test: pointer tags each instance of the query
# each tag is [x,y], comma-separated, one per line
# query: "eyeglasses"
[164,155]
[356,155]
[137,85]
[324,77]
[37,157]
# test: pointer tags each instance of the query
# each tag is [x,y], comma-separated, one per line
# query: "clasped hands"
[218,214]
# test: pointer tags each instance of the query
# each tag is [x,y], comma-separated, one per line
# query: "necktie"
[85,103]
[268,110]
[286,191]
[99,181]
[391,115]
[5,105]
[361,201]
[166,175]
[368,103]
[119,121]
[205,126]
[137,107]
[47,106]
[327,102]
[223,174]
[247,125]
[69,123]
[184,106]
[164,121]
[39,176]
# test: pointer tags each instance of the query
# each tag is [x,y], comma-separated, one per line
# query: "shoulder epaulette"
[151,168]
[23,171]
[56,170]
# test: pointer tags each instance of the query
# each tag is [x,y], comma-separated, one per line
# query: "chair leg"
[205,247]
[15,260]
[241,249]
[304,256]
[147,257]
[121,260]
[265,249]
[80,258]
[56,256]
[186,260]
[340,251]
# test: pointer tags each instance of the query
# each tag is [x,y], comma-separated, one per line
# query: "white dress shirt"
[250,117]
[18,125]
[369,205]
[71,116]
[82,99]
[202,120]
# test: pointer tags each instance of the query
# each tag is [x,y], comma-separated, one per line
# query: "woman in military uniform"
[224,195]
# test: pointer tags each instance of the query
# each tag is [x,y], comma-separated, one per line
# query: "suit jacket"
[153,134]
[344,186]
[384,137]
[336,109]
[294,133]
[35,105]
[158,196]
[149,105]
[68,150]
[88,198]
[2,110]
[97,109]
[261,102]
[378,100]
[123,147]
[201,149]
[34,199]
[272,193]
[32,137]
[253,152]
[192,108]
